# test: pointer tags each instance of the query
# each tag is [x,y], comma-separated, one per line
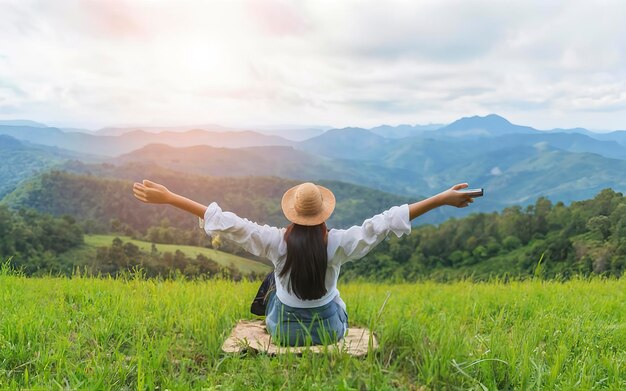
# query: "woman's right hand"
[151,193]
[453,197]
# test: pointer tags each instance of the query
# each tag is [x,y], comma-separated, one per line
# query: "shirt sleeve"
[260,240]
[355,242]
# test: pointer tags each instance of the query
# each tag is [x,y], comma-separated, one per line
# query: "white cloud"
[96,63]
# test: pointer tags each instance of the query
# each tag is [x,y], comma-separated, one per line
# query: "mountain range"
[116,141]
[511,175]
[279,161]
[90,143]
[514,163]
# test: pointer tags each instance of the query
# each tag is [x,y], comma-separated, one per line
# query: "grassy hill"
[84,333]
[245,266]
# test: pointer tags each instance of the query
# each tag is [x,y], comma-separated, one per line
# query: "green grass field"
[87,333]
[245,266]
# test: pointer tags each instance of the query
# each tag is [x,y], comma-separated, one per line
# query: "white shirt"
[343,245]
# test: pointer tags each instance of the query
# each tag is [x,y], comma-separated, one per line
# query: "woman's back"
[342,245]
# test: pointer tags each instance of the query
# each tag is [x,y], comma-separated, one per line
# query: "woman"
[304,305]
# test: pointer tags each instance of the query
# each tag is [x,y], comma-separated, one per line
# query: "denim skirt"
[290,326]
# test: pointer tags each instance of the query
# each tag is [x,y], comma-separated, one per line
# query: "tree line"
[39,244]
[553,240]
[33,241]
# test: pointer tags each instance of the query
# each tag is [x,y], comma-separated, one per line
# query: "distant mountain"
[402,131]
[22,122]
[513,163]
[618,136]
[8,143]
[55,137]
[572,142]
[512,159]
[511,172]
[476,126]
[115,145]
[494,126]
[347,143]
[507,166]
[118,131]
[361,144]
[294,134]
[21,160]
[280,161]
[573,130]
[559,175]
[365,145]
[225,139]
[76,130]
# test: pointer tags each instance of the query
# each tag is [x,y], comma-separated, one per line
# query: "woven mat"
[251,334]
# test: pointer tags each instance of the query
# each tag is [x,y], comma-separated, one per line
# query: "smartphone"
[473,192]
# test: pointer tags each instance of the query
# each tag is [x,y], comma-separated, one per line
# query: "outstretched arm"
[154,193]
[260,240]
[449,197]
[357,241]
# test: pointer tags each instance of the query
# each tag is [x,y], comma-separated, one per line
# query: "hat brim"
[288,205]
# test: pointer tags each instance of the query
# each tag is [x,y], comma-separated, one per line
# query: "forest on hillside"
[545,239]
[98,197]
[47,217]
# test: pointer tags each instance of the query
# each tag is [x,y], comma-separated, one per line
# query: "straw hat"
[308,204]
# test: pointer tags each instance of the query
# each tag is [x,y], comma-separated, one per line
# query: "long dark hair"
[306,262]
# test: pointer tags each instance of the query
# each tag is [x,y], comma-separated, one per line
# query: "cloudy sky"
[334,63]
